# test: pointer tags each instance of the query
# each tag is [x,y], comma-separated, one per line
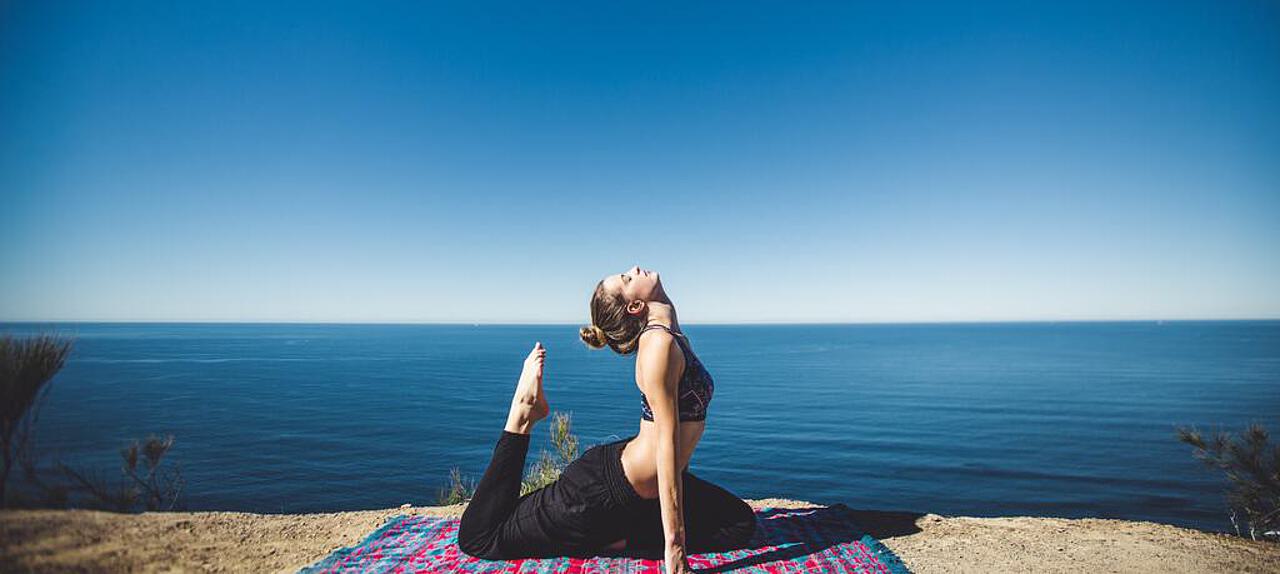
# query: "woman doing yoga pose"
[631,497]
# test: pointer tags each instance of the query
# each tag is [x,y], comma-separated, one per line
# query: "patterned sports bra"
[695,388]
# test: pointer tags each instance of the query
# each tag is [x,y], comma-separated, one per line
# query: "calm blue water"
[1071,419]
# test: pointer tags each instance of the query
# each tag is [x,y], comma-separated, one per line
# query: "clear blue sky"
[426,161]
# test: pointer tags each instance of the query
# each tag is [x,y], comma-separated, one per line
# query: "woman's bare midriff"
[640,455]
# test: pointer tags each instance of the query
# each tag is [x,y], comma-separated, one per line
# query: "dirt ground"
[93,541]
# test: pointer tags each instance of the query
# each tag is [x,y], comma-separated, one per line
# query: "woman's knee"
[470,545]
[475,542]
[731,529]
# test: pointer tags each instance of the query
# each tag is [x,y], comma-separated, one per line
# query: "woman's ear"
[636,307]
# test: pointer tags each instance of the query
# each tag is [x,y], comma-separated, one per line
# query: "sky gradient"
[480,162]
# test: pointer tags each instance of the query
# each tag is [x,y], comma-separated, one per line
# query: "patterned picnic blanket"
[814,539]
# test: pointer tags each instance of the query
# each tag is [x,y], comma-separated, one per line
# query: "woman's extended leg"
[496,496]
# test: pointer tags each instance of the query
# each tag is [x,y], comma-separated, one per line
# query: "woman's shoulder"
[651,337]
[664,335]
[657,338]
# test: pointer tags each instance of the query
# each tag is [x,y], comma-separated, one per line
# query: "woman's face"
[634,283]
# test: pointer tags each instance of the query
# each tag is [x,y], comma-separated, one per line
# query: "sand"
[93,541]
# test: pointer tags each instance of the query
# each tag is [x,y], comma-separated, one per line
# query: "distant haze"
[420,162]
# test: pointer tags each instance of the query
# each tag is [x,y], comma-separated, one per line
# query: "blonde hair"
[611,324]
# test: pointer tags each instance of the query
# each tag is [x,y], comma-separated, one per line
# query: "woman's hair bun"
[593,336]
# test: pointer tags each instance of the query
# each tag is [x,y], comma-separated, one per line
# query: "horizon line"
[709,323]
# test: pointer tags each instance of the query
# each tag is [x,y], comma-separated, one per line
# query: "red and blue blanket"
[814,539]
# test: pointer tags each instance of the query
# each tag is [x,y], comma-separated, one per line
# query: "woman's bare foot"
[529,405]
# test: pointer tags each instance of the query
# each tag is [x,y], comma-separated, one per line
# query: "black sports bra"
[695,388]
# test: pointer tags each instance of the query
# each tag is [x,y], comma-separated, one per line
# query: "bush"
[1252,467]
[26,367]
[144,482]
[457,491]
[549,466]
[155,487]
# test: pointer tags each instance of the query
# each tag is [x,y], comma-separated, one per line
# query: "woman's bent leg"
[495,497]
[716,520]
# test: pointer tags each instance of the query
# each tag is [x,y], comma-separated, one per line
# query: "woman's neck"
[663,313]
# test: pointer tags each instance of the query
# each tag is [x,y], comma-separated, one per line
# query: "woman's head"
[620,308]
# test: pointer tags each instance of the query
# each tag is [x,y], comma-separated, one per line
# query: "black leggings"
[589,507]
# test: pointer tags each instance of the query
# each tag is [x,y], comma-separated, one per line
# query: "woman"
[632,497]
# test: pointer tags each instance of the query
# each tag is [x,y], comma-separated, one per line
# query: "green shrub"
[549,465]
[457,491]
[1252,467]
[26,366]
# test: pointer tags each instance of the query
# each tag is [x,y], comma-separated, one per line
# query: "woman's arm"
[661,386]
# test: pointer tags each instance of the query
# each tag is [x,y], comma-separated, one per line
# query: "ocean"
[1040,419]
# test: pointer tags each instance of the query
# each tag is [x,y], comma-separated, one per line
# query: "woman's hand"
[677,562]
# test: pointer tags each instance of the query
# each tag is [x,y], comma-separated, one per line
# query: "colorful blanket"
[814,539]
